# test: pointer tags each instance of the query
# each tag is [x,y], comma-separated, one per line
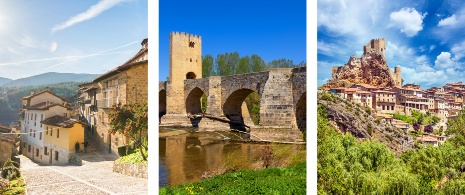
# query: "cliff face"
[371,69]
[349,117]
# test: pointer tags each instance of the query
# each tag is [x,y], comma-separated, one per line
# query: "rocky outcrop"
[371,69]
[348,117]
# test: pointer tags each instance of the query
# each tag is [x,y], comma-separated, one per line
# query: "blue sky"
[425,38]
[271,29]
[69,36]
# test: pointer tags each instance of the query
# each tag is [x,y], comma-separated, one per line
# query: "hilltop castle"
[371,68]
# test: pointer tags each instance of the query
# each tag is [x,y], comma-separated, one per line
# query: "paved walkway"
[95,176]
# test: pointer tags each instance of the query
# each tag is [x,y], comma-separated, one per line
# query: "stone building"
[126,84]
[87,106]
[61,135]
[37,107]
[7,144]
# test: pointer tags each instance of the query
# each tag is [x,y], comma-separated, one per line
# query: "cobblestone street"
[95,176]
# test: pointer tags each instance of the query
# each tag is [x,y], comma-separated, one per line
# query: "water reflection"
[185,158]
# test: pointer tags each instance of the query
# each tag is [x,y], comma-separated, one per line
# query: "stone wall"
[137,83]
[7,147]
[134,170]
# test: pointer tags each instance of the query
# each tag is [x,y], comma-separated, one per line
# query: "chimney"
[46,88]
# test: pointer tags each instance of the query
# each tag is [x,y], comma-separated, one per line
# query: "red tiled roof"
[61,121]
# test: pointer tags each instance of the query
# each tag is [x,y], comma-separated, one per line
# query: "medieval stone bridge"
[282,103]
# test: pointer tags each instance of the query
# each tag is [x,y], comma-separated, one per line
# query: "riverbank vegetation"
[353,166]
[290,180]
[274,156]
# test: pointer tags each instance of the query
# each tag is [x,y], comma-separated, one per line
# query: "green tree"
[258,64]
[226,63]
[207,66]
[244,65]
[456,127]
[131,120]
[281,63]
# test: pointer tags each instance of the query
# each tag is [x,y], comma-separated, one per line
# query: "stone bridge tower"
[185,63]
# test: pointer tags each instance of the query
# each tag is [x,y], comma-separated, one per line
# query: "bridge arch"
[233,110]
[301,112]
[193,101]
[161,103]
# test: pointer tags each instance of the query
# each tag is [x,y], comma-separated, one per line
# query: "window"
[58,133]
[45,150]
[56,155]
[37,152]
[35,117]
[41,119]
[40,136]
[28,148]
[51,132]
[30,132]
[65,115]
[46,131]
[34,123]
[34,133]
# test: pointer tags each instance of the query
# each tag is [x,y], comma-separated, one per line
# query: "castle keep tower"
[185,63]
[398,76]
[376,45]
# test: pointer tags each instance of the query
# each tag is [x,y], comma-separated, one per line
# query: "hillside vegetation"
[10,102]
[350,165]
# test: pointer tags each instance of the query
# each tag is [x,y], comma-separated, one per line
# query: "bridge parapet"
[162,85]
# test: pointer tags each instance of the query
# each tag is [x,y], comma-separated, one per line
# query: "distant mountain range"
[47,78]
[4,81]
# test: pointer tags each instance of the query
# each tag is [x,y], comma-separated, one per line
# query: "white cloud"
[450,21]
[349,17]
[408,20]
[458,50]
[425,78]
[431,47]
[92,12]
[327,48]
[444,60]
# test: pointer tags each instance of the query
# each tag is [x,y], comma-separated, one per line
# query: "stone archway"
[193,101]
[301,112]
[236,110]
[161,103]
[190,75]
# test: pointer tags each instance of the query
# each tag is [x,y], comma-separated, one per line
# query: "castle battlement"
[186,35]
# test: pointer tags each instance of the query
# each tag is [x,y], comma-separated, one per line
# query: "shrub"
[4,185]
[370,129]
[10,173]
[378,121]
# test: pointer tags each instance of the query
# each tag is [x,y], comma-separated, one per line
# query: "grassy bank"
[289,180]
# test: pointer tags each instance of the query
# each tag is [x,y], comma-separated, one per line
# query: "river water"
[186,157]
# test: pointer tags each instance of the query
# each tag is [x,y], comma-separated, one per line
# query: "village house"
[36,108]
[384,101]
[60,138]
[126,84]
[87,107]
